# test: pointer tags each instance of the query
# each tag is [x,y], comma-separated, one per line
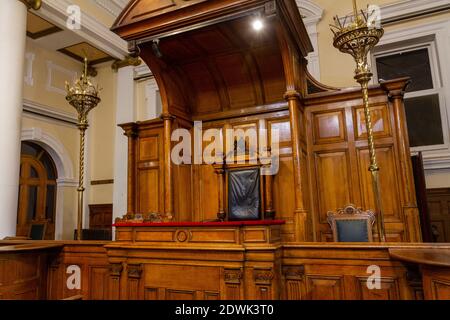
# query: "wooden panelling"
[329,127]
[301,271]
[388,181]
[333,181]
[149,191]
[339,160]
[325,287]
[389,289]
[380,122]
[439,207]
[100,216]
[148,149]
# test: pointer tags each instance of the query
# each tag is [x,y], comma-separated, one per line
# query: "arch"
[312,14]
[64,168]
[57,151]
[310,11]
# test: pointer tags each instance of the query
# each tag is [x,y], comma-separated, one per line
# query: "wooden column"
[410,210]
[221,215]
[301,214]
[293,64]
[269,212]
[168,187]
[131,133]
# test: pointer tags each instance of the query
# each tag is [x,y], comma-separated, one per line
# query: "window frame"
[415,44]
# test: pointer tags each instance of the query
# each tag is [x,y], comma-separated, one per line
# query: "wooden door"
[37,190]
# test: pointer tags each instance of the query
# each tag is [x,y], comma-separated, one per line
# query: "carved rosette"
[135,271]
[233,276]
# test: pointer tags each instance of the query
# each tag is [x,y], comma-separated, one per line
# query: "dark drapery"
[244,196]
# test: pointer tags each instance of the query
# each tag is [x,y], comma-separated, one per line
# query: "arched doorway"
[37,190]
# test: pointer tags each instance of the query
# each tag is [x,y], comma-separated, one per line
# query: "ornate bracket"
[233,276]
[128,61]
[115,269]
[135,271]
[263,276]
[294,272]
[32,4]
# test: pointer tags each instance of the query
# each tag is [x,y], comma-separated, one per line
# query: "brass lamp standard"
[357,37]
[83,96]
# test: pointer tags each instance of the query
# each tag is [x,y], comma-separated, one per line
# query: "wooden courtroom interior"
[211,66]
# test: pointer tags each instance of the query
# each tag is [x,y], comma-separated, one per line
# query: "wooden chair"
[351,224]
[37,230]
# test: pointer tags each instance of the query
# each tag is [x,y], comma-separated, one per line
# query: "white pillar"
[125,113]
[13,20]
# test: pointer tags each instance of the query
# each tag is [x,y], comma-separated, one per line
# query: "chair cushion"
[352,231]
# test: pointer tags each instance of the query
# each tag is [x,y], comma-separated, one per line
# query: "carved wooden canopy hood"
[207,58]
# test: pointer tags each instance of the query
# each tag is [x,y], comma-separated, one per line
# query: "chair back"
[37,230]
[351,224]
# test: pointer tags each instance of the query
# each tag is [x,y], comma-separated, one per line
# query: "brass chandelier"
[357,36]
[84,97]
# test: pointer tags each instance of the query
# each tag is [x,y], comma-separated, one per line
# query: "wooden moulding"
[198,235]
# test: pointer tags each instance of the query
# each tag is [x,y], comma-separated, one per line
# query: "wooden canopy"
[208,59]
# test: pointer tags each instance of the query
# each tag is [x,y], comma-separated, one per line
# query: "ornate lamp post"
[84,97]
[357,37]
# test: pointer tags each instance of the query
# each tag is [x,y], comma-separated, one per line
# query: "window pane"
[423,116]
[32,202]
[50,202]
[33,173]
[29,149]
[49,166]
[413,64]
[158,103]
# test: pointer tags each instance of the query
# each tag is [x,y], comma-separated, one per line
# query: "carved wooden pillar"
[293,286]
[269,212]
[134,290]
[292,65]
[220,171]
[263,284]
[168,187]
[115,273]
[233,286]
[131,133]
[301,214]
[410,209]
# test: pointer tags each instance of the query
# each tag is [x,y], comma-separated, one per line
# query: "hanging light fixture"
[84,97]
[357,37]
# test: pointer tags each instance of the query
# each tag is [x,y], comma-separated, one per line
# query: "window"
[37,190]
[424,99]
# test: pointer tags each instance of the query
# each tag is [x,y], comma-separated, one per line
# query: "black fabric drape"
[244,194]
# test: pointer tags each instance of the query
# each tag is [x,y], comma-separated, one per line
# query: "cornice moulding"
[411,8]
[44,111]
[91,30]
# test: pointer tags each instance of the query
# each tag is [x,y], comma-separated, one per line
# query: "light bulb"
[258,25]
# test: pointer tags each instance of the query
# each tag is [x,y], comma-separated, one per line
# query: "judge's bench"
[226,229]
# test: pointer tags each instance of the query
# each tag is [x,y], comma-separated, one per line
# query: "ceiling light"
[258,24]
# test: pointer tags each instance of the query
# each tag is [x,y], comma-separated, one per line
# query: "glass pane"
[158,103]
[423,116]
[33,172]
[29,149]
[413,64]
[32,202]
[49,166]
[50,202]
